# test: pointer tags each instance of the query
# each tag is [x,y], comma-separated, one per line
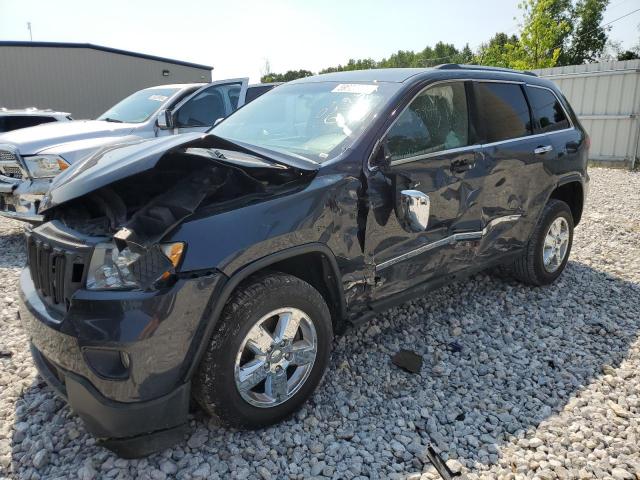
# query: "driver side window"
[203,109]
[436,120]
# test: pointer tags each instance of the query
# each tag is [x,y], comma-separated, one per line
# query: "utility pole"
[30,32]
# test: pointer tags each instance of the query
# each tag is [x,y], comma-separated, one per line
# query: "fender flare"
[570,178]
[219,298]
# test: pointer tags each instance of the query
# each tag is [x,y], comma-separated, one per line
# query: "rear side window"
[206,107]
[22,121]
[234,96]
[436,120]
[503,111]
[548,114]
[255,92]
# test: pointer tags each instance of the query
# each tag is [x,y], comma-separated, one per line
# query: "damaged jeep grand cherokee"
[219,266]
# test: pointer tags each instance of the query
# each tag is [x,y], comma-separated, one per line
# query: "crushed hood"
[121,160]
[34,140]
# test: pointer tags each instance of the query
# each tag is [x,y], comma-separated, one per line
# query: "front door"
[431,151]
[210,103]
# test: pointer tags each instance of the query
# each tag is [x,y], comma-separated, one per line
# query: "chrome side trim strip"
[477,146]
[498,221]
[456,237]
[517,139]
[424,156]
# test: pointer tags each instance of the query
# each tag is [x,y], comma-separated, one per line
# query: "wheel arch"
[571,191]
[301,261]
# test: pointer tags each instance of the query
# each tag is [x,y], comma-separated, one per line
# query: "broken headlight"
[45,166]
[111,268]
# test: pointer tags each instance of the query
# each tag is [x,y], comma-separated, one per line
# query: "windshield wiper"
[114,120]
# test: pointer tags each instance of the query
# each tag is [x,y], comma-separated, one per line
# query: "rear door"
[513,157]
[432,152]
[551,118]
[210,103]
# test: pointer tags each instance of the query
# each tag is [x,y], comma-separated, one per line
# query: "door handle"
[543,149]
[572,147]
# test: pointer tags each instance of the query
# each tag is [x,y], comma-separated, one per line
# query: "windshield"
[138,107]
[317,121]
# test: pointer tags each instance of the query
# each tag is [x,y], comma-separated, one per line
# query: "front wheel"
[268,355]
[549,247]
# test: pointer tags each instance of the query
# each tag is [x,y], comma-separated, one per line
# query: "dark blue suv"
[219,266]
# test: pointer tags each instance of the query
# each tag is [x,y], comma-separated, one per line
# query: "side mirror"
[414,210]
[165,119]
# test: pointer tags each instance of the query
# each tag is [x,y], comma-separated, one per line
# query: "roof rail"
[457,66]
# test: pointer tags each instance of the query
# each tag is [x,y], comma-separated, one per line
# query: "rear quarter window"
[503,111]
[548,114]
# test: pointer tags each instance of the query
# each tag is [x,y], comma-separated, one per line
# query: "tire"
[217,383]
[530,267]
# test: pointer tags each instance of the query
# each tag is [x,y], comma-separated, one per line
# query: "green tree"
[285,77]
[544,32]
[588,39]
[629,55]
[501,51]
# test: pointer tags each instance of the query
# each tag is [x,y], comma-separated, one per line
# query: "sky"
[238,37]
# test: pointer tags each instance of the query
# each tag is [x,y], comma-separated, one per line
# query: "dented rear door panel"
[514,178]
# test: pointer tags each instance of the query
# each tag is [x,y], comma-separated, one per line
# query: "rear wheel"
[269,354]
[548,250]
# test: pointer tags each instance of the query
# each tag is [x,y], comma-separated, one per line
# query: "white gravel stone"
[518,383]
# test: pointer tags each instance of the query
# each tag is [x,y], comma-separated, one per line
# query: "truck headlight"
[110,268]
[113,269]
[45,166]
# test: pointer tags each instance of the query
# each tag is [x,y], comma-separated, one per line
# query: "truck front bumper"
[20,200]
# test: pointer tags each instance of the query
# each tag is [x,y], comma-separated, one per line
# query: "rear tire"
[247,379]
[548,250]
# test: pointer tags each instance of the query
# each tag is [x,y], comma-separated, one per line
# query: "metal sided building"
[82,78]
[606,98]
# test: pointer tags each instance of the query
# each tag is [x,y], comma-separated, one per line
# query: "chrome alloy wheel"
[556,244]
[276,357]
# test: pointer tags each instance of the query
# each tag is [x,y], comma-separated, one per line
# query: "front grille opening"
[55,271]
[76,272]
[6,156]
[12,172]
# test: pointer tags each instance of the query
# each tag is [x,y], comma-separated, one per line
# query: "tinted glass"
[234,95]
[15,122]
[317,121]
[255,92]
[547,111]
[503,111]
[138,107]
[436,120]
[206,107]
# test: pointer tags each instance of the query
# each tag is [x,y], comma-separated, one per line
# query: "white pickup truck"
[31,157]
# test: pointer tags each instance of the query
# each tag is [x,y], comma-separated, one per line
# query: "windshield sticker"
[158,98]
[355,88]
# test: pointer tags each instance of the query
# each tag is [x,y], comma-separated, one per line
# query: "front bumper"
[20,199]
[139,408]
[131,430]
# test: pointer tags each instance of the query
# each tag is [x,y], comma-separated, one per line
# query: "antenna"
[30,32]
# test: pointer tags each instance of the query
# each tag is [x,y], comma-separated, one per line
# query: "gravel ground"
[517,382]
